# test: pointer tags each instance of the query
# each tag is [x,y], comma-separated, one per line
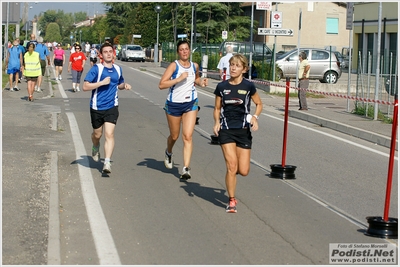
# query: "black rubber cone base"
[214,140]
[287,172]
[381,228]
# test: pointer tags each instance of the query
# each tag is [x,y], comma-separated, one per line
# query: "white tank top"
[184,91]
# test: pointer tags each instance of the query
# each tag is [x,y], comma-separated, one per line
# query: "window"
[332,25]
[319,55]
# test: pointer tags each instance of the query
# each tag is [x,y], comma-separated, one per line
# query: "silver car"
[132,52]
[325,67]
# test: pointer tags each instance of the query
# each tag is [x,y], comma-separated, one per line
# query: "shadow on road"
[159,165]
[214,195]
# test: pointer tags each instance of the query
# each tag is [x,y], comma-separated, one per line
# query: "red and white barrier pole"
[386,227]
[282,170]
[391,161]
[285,126]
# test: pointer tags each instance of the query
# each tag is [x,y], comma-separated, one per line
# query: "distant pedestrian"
[76,64]
[87,49]
[32,69]
[304,74]
[14,64]
[181,106]
[23,49]
[32,40]
[223,64]
[234,123]
[93,55]
[58,60]
[104,80]
[44,55]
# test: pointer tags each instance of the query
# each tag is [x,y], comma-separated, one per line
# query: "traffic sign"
[264,6]
[224,35]
[276,25]
[269,31]
[184,35]
[276,19]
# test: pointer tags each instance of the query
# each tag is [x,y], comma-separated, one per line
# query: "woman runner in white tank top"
[181,105]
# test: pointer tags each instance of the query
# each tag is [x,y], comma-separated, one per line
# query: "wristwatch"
[255,116]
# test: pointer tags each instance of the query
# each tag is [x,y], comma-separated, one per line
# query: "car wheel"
[330,77]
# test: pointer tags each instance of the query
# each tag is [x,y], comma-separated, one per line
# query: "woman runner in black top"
[233,123]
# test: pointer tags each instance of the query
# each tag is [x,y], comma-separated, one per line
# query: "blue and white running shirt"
[184,91]
[106,96]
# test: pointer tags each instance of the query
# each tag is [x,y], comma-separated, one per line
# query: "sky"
[68,7]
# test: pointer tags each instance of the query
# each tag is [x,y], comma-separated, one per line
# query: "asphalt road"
[143,214]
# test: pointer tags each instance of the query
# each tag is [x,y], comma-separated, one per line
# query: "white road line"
[105,247]
[53,247]
[334,137]
[146,72]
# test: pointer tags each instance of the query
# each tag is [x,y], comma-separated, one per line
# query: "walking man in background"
[304,74]
[14,64]
[223,64]
[33,40]
[43,54]
[87,49]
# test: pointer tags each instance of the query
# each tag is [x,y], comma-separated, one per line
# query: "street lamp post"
[157,9]
[80,36]
[75,36]
[191,32]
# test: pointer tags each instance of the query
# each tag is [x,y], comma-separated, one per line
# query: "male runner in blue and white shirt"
[104,80]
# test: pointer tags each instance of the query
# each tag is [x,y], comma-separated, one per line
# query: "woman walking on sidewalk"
[233,123]
[182,104]
[77,62]
[32,69]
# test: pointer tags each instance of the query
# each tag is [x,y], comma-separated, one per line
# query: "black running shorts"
[242,137]
[99,117]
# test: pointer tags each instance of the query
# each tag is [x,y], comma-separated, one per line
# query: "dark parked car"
[260,50]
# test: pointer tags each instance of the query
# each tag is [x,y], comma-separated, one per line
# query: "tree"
[53,33]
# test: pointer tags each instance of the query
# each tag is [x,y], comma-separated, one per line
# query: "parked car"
[342,60]
[132,52]
[325,67]
[206,49]
[260,50]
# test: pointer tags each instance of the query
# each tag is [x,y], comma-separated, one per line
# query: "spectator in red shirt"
[77,62]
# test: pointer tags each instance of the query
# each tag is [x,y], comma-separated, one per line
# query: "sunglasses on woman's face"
[77,48]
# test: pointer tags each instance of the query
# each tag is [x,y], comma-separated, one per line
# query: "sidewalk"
[329,111]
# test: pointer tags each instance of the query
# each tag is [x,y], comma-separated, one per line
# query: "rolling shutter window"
[332,25]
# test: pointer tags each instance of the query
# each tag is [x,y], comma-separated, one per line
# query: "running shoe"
[16,88]
[60,78]
[231,208]
[96,153]
[185,173]
[107,167]
[168,161]
[56,79]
